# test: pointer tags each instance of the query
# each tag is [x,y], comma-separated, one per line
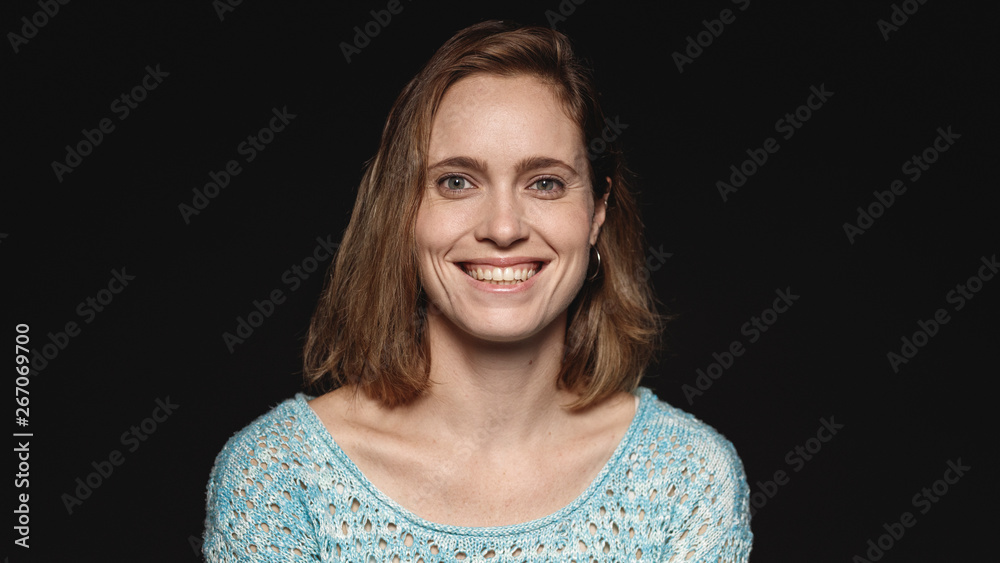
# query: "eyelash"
[559,187]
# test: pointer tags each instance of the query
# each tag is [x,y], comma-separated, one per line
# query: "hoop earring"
[598,269]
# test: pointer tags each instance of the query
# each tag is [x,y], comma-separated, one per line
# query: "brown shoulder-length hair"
[368,328]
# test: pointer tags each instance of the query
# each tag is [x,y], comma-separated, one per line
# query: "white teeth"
[506,276]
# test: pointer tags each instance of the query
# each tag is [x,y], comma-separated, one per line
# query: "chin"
[501,334]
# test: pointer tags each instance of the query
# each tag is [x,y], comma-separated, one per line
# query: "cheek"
[426,245]
[426,227]
[439,228]
[567,227]
[420,228]
[424,240]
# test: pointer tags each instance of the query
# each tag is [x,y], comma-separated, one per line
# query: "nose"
[502,219]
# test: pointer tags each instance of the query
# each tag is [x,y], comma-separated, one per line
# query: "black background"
[825,357]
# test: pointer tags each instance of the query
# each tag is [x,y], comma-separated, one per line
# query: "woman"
[484,331]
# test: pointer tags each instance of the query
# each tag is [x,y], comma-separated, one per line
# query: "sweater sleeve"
[256,508]
[710,519]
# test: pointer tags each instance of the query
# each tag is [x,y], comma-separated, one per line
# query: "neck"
[495,394]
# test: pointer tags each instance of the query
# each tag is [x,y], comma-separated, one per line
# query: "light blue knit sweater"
[283,490]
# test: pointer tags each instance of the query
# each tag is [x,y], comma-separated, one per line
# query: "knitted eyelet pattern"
[283,491]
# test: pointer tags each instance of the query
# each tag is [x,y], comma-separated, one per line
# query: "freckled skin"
[489,442]
[500,210]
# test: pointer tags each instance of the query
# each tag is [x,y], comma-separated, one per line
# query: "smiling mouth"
[502,276]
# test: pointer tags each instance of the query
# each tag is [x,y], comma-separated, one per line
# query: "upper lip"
[503,262]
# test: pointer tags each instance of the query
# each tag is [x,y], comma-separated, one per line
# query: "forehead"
[496,117]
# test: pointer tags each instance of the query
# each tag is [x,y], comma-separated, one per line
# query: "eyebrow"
[460,162]
[536,162]
[524,165]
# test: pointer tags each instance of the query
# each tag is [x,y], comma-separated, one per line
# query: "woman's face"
[509,198]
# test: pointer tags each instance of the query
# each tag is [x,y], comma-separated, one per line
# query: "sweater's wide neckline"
[314,426]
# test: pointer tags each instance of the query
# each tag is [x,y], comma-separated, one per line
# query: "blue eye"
[456,183]
[547,185]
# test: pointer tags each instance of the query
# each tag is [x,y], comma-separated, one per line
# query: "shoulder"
[679,430]
[691,457]
[256,503]
[264,438]
[703,477]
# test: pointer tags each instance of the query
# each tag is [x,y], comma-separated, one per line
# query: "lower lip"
[495,288]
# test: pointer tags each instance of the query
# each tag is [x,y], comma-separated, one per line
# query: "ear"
[600,210]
